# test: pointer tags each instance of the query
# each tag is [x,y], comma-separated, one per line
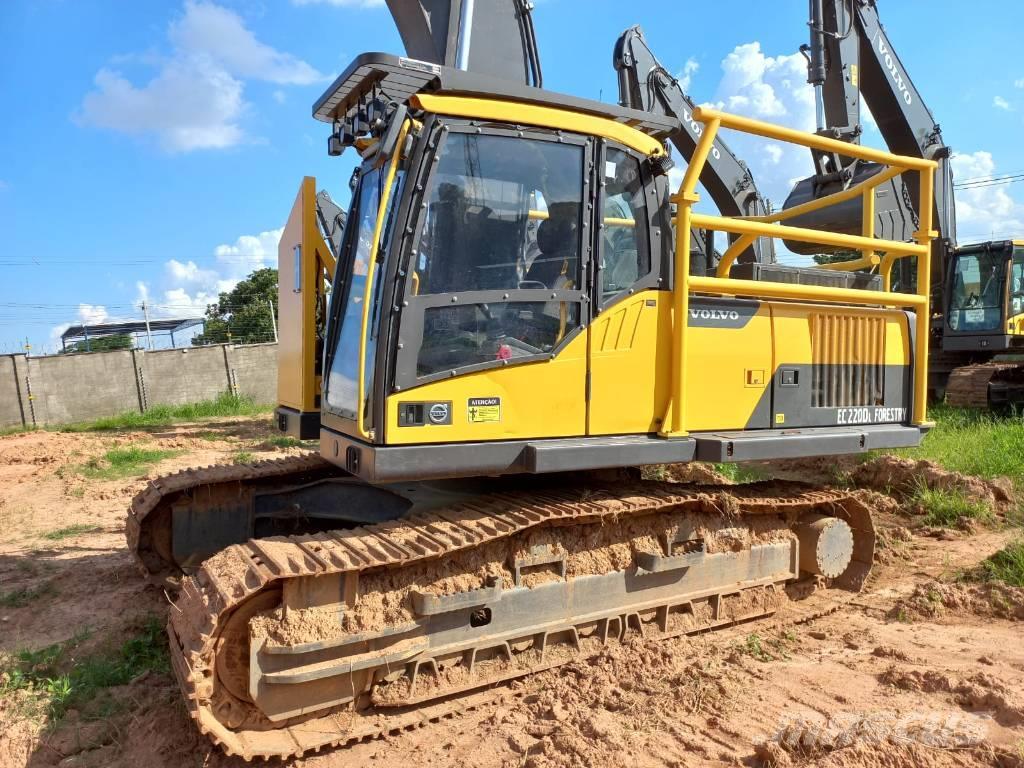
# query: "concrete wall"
[10,392]
[87,386]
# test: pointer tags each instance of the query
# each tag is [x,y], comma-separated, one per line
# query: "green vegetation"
[1006,566]
[739,473]
[243,457]
[974,442]
[286,441]
[124,462]
[948,508]
[72,530]
[66,681]
[165,415]
[102,344]
[242,315]
[768,649]
[19,598]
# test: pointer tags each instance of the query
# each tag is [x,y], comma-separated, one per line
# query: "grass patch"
[72,530]
[739,473]
[243,457]
[65,680]
[285,441]
[19,598]
[1006,566]
[123,462]
[165,415]
[948,508]
[768,649]
[974,442]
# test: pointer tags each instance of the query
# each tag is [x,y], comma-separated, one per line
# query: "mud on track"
[916,671]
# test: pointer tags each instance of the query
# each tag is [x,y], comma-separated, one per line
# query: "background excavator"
[512,331]
[977,290]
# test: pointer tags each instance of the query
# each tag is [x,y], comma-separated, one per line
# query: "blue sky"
[153,149]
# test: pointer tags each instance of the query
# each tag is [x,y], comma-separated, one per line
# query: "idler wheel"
[826,545]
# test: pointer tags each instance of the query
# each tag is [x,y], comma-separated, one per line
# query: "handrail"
[750,228]
[371,269]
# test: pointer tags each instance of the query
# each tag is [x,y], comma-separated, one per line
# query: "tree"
[242,315]
[835,258]
[101,344]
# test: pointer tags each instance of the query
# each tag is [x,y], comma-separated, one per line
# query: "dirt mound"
[892,474]
[596,711]
[694,472]
[889,754]
[935,600]
[980,691]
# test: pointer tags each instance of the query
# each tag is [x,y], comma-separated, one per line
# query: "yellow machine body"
[305,269]
[816,363]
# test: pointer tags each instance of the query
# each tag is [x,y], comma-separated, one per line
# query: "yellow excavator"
[512,330]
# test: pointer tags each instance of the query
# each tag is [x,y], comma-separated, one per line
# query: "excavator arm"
[850,57]
[645,84]
[489,37]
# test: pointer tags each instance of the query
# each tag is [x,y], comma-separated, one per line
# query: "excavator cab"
[985,302]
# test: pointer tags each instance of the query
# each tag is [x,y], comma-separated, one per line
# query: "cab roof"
[400,78]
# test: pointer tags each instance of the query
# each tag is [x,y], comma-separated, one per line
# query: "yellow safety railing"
[749,229]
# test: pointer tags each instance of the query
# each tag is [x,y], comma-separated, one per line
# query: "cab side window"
[1017,283]
[625,247]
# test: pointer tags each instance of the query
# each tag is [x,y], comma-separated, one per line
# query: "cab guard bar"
[750,228]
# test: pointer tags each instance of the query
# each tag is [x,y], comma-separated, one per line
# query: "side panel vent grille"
[848,360]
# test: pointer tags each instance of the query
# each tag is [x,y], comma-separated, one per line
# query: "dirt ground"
[915,671]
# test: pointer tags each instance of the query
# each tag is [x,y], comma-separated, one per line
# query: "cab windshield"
[976,303]
[341,391]
[1017,283]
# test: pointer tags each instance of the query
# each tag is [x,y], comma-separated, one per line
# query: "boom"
[489,37]
[645,84]
[850,56]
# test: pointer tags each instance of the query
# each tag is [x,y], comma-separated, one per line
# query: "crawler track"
[394,677]
[148,527]
[986,385]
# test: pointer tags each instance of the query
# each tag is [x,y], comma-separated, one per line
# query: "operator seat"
[559,242]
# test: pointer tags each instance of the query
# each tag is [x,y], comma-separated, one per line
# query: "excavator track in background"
[290,644]
[986,385]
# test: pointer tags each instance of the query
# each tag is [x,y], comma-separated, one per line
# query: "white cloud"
[342,3]
[773,153]
[196,99]
[92,314]
[685,77]
[191,104]
[187,289]
[984,212]
[772,88]
[766,87]
[221,34]
[1018,83]
[1000,103]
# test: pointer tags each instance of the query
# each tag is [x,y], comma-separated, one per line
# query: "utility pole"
[149,335]
[273,319]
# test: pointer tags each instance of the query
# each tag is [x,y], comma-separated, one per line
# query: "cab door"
[628,344]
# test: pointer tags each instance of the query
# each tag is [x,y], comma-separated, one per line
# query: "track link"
[204,640]
[148,525]
[969,385]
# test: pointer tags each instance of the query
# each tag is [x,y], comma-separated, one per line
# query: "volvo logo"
[698,130]
[714,314]
[438,413]
[897,76]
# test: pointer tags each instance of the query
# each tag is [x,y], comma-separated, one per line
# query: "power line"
[981,183]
